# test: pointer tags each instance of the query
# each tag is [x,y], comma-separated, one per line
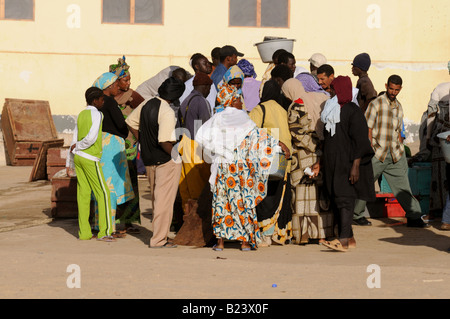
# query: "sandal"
[166,245]
[107,239]
[245,246]
[132,230]
[118,235]
[335,245]
[220,245]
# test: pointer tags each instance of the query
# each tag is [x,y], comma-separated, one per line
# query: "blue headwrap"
[233,72]
[105,80]
[247,68]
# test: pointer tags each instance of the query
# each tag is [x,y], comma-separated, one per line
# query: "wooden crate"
[52,170]
[25,125]
[64,197]
[56,160]
[57,156]
[62,209]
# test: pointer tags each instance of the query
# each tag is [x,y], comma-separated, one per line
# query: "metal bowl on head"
[268,47]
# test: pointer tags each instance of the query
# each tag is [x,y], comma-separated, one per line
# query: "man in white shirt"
[153,124]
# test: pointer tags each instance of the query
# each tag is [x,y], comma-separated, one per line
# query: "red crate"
[391,206]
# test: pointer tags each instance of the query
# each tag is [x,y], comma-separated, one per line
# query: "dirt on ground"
[41,257]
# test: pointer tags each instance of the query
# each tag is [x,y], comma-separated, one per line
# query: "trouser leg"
[83,201]
[165,185]
[396,175]
[92,179]
[360,205]
[345,208]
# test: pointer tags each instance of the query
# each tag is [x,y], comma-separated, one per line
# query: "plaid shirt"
[385,118]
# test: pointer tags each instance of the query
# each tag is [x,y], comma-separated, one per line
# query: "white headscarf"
[222,134]
[331,115]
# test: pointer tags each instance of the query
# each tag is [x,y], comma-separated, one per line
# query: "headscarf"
[331,114]
[227,93]
[171,89]
[221,135]
[309,83]
[247,68]
[226,96]
[105,80]
[271,91]
[342,85]
[233,72]
[120,69]
[149,88]
[314,102]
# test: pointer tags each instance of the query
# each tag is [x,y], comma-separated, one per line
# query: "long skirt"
[195,171]
[240,186]
[130,211]
[275,213]
[311,218]
[115,168]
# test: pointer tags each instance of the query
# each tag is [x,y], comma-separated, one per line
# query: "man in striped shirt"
[384,117]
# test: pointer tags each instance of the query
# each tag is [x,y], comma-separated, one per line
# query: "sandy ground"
[37,254]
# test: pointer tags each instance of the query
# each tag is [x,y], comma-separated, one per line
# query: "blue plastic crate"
[419,179]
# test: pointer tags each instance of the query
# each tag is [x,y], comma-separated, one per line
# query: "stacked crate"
[56,160]
[64,196]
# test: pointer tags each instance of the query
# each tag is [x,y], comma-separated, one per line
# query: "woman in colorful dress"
[231,85]
[312,222]
[240,156]
[114,159]
[128,100]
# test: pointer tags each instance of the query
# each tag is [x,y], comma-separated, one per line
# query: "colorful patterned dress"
[240,186]
[115,168]
[130,212]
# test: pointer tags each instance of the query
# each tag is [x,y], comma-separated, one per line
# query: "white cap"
[317,59]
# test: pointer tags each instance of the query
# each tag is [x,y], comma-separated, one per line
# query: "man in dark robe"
[346,159]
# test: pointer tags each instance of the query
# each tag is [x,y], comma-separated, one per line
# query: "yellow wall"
[47,59]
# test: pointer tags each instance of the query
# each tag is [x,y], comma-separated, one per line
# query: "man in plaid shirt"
[384,117]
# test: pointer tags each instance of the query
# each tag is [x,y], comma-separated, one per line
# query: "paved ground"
[38,254]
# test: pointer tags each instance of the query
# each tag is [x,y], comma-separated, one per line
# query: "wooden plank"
[39,170]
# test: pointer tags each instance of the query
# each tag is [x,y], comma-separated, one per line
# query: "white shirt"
[88,140]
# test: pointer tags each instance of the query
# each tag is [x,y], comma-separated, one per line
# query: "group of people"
[289,159]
